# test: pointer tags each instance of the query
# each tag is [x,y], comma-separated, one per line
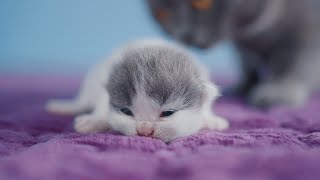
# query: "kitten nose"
[145,128]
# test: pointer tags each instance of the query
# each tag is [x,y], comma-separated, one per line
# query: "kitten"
[149,88]
[278,41]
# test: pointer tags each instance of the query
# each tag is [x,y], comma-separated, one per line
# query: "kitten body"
[278,41]
[149,88]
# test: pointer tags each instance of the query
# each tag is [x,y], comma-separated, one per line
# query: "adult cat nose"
[187,38]
[145,128]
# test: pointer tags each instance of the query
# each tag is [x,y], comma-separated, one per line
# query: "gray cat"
[278,41]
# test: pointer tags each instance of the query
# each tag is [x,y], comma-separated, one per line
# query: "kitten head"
[155,91]
[194,22]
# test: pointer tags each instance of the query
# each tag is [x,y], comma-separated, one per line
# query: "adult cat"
[278,41]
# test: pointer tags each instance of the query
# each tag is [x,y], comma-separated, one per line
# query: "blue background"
[68,36]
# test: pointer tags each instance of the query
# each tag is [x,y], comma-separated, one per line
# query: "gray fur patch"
[165,74]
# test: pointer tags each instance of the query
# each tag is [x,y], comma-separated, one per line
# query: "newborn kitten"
[149,88]
[278,41]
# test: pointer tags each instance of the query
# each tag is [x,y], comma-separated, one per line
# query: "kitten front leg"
[214,122]
[90,123]
[97,120]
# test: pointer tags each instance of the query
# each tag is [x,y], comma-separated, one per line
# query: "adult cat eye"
[126,111]
[202,4]
[162,14]
[166,113]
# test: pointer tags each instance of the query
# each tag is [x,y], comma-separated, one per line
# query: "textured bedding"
[283,143]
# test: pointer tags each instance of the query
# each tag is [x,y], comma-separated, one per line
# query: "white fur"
[146,118]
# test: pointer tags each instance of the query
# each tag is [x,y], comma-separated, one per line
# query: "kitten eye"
[167,113]
[202,4]
[126,111]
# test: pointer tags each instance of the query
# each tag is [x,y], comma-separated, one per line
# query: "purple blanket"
[282,144]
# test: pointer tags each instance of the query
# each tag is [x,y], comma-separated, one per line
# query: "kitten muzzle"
[145,128]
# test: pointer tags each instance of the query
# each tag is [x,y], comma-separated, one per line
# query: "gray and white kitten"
[278,41]
[149,88]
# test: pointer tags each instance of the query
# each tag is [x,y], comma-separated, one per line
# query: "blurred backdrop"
[68,36]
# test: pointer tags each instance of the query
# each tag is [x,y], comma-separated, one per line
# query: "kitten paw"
[267,95]
[89,124]
[217,123]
